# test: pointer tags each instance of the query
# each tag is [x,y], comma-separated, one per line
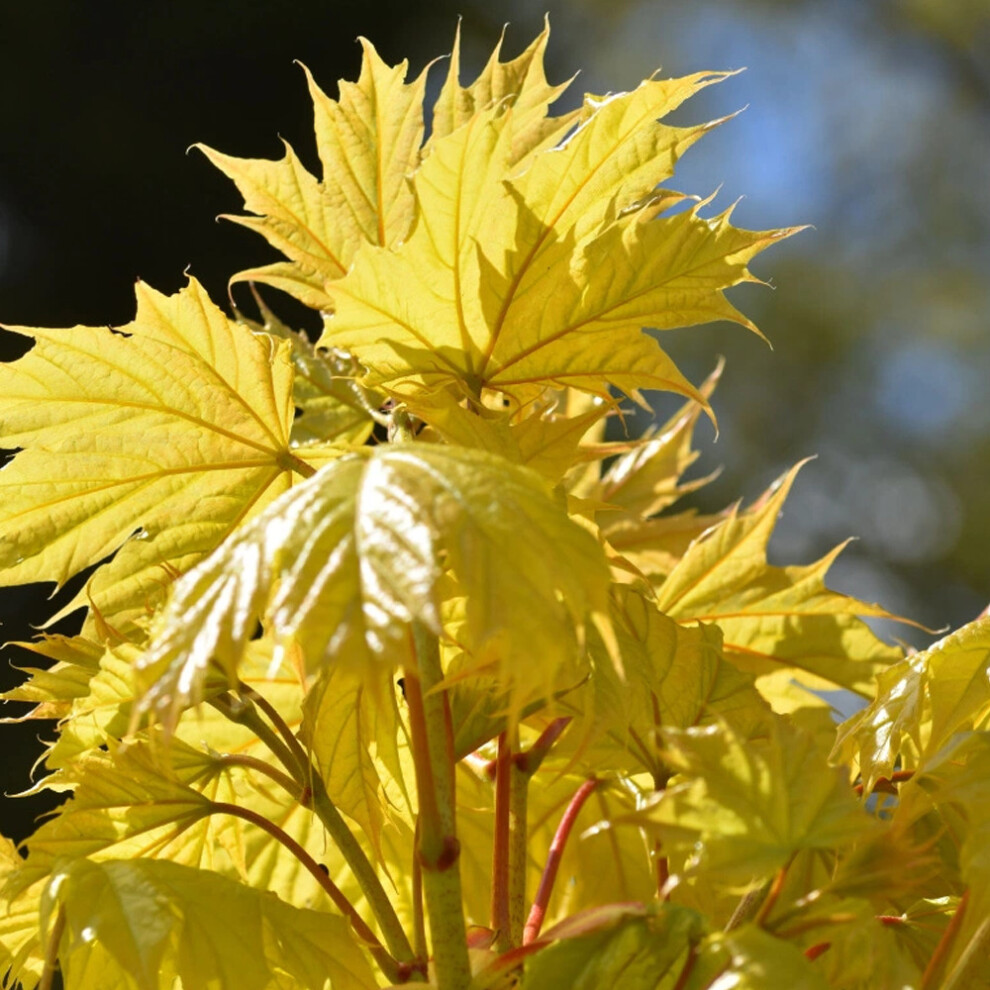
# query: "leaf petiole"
[291,755]
[51,951]
[539,909]
[388,965]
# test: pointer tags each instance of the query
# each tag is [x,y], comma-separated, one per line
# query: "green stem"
[242,712]
[509,848]
[518,850]
[371,886]
[500,847]
[439,850]
[288,736]
[273,773]
[51,951]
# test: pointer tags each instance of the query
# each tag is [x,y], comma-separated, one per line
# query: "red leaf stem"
[538,911]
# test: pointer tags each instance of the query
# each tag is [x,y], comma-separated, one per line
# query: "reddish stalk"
[772,896]
[419,918]
[685,974]
[539,909]
[811,923]
[388,965]
[663,869]
[944,947]
[814,951]
[529,761]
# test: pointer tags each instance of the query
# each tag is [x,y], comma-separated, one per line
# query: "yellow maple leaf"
[154,441]
[513,250]
[518,281]
[345,561]
[775,617]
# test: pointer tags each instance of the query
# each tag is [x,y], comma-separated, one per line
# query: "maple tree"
[395,670]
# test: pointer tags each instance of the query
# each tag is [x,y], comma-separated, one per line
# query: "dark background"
[869,119]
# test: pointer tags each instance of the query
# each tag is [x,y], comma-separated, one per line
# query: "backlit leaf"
[921,703]
[647,479]
[745,808]
[758,961]
[549,298]
[352,733]
[368,141]
[330,405]
[518,86]
[774,617]
[20,954]
[635,952]
[672,676]
[52,691]
[346,560]
[155,442]
[152,923]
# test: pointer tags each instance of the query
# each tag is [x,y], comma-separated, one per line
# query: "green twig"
[243,712]
[976,946]
[288,736]
[518,849]
[439,850]
[500,847]
[512,776]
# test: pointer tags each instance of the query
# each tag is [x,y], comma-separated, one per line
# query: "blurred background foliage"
[869,119]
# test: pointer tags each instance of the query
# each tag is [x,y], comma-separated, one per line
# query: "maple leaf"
[352,734]
[649,478]
[637,947]
[920,704]
[508,286]
[514,247]
[743,808]
[179,431]
[368,142]
[774,617]
[672,676]
[346,560]
[142,924]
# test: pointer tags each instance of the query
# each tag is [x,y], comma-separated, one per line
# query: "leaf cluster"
[394,669]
